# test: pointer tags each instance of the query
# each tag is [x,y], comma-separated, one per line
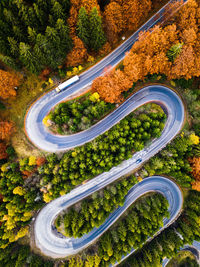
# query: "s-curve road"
[56,246]
[47,141]
[47,239]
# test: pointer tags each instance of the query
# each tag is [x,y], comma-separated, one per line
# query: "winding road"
[35,129]
[47,239]
[57,246]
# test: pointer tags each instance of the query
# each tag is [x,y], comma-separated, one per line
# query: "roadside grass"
[30,89]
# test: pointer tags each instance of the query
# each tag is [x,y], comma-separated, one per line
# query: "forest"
[53,40]
[141,221]
[168,242]
[93,211]
[105,152]
[70,31]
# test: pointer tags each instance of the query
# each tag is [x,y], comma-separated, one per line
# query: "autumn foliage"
[78,55]
[44,74]
[124,15]
[6,130]
[40,161]
[3,154]
[26,174]
[150,54]
[195,164]
[106,49]
[7,83]
[111,85]
[113,19]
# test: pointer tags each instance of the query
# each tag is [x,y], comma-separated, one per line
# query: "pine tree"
[9,61]
[57,11]
[63,32]
[27,57]
[174,51]
[39,15]
[32,34]
[97,37]
[83,26]
[14,48]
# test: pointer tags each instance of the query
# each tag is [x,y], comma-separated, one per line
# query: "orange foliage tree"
[133,11]
[6,130]
[188,16]
[40,161]
[111,86]
[44,73]
[7,83]
[72,20]
[26,173]
[3,154]
[195,164]
[89,4]
[78,54]
[106,49]
[150,54]
[186,65]
[113,21]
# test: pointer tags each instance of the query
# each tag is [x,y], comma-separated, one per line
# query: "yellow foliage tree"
[4,167]
[47,197]
[19,190]
[22,232]
[10,223]
[74,154]
[32,161]
[95,97]
[62,192]
[194,139]
[45,121]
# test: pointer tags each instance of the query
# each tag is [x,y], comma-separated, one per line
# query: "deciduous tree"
[78,55]
[8,82]
[3,153]
[112,85]
[113,20]
[6,130]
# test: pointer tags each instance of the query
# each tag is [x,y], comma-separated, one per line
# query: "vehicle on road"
[67,83]
[138,160]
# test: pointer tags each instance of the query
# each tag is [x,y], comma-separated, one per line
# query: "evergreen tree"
[83,29]
[9,61]
[32,34]
[14,47]
[174,51]
[28,58]
[57,11]
[97,37]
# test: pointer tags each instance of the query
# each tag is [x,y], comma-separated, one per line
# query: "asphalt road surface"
[57,246]
[38,133]
[47,239]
